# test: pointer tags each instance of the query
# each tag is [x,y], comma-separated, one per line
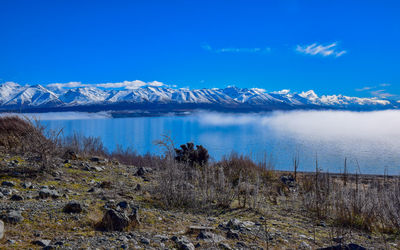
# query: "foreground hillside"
[55,197]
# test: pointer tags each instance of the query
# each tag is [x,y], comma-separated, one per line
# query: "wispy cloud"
[382,93]
[322,50]
[365,88]
[378,91]
[236,50]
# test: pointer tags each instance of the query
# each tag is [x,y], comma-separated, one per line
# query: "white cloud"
[282,92]
[236,50]
[130,84]
[125,84]
[66,85]
[318,49]
[384,84]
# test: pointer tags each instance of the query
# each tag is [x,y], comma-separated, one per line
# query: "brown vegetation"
[186,179]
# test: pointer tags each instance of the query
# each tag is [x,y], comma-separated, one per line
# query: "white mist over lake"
[368,139]
[320,125]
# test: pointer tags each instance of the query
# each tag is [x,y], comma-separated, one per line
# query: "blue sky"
[333,47]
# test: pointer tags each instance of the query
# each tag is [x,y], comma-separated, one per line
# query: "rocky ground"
[99,204]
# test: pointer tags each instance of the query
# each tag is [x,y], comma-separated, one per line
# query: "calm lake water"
[370,140]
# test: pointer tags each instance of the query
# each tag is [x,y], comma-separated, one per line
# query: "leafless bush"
[87,146]
[131,157]
[235,178]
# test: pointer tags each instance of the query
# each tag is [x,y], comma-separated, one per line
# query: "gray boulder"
[45,193]
[13,217]
[115,220]
[73,207]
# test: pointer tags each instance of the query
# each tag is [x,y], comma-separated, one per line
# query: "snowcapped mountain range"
[36,97]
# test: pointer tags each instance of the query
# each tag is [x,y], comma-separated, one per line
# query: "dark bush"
[193,156]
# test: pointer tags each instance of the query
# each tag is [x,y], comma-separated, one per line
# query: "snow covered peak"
[35,95]
[85,95]
[8,90]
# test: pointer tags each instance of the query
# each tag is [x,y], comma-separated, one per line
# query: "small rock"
[106,184]
[350,246]
[210,237]
[145,241]
[224,246]
[240,244]
[16,197]
[45,193]
[288,180]
[338,239]
[42,243]
[162,238]
[70,155]
[304,245]
[93,190]
[1,229]
[141,171]
[123,204]
[95,159]
[73,207]
[183,243]
[6,191]
[26,185]
[8,184]
[234,224]
[59,243]
[11,242]
[232,234]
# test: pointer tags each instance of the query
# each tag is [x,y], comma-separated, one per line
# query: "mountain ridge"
[37,97]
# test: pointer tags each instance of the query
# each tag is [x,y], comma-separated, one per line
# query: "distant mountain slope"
[37,97]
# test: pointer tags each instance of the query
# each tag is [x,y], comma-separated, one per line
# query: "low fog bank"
[311,124]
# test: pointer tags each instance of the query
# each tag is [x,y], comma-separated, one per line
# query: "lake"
[369,140]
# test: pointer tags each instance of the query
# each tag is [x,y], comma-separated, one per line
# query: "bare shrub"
[182,184]
[87,146]
[131,157]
